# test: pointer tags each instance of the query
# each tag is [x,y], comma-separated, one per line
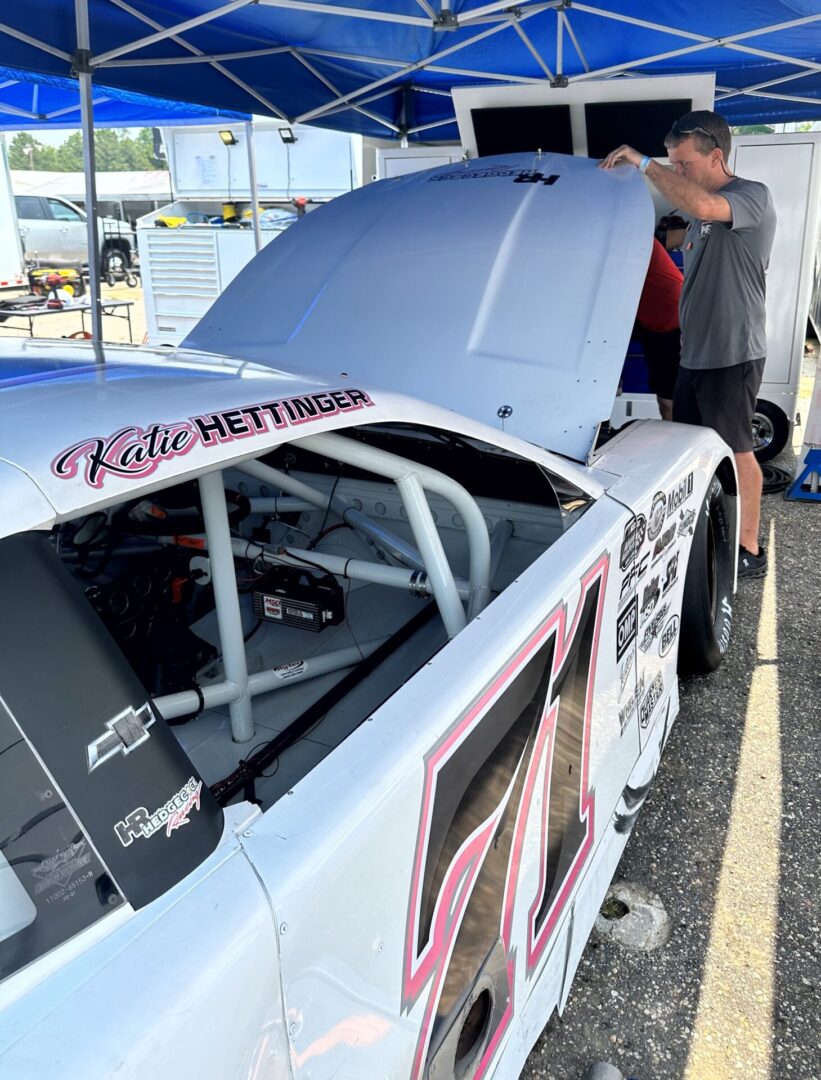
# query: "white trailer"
[12,265]
[185,269]
[392,160]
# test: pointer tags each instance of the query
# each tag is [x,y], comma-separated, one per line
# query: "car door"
[38,229]
[459,838]
[70,231]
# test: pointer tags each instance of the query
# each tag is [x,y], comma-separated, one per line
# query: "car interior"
[344,591]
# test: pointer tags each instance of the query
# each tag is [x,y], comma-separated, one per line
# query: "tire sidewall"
[707,604]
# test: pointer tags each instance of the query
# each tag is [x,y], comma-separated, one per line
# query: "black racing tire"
[771,429]
[707,605]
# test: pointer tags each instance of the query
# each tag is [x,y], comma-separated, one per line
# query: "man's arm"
[678,190]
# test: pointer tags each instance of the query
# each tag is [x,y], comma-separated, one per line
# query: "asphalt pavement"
[729,840]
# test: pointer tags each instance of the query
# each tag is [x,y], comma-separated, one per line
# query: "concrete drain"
[634,917]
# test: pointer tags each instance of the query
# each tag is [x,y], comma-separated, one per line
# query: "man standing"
[722,311]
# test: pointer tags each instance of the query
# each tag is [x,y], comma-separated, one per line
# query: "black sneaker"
[752,566]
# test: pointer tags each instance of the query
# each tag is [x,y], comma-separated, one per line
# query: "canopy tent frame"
[83,66]
[504,16]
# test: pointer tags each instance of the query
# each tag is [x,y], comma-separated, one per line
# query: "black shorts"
[662,352]
[721,398]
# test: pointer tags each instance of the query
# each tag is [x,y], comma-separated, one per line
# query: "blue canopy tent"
[29,101]
[385,68]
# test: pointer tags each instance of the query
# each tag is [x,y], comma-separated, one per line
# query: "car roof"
[77,434]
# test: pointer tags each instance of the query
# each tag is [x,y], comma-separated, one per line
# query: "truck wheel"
[707,605]
[115,264]
[770,430]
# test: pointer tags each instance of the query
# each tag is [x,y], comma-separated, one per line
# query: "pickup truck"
[53,230]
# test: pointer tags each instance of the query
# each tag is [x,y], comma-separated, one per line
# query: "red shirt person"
[657,326]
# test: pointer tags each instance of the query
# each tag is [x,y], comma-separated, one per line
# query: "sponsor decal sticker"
[668,635]
[634,575]
[624,673]
[272,606]
[679,494]
[289,670]
[140,824]
[135,452]
[653,628]
[685,522]
[626,628]
[61,870]
[658,510]
[650,597]
[125,732]
[664,541]
[650,700]
[519,176]
[670,573]
[634,533]
[630,705]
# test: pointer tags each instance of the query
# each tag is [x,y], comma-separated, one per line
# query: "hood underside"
[504,288]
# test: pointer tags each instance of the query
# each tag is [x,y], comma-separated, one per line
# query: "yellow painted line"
[732,1036]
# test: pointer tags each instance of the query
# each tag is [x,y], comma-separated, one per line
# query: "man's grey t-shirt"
[722,307]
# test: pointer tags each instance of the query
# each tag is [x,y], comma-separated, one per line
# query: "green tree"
[115,151]
[26,152]
[753,129]
[69,155]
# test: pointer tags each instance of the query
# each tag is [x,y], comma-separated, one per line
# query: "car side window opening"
[30,207]
[61,212]
[52,884]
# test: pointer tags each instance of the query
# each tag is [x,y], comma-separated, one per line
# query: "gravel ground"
[640,1011]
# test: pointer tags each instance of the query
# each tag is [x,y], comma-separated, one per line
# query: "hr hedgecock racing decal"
[135,452]
[524,742]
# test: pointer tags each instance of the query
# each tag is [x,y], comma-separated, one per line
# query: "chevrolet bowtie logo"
[125,732]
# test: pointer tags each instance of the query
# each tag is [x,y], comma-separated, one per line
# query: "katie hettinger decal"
[136,452]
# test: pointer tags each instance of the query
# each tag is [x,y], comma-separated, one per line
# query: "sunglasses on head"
[677,130]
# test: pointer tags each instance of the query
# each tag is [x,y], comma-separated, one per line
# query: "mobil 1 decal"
[679,493]
[516,762]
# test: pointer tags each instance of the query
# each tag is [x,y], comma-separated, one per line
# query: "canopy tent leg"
[83,66]
[252,178]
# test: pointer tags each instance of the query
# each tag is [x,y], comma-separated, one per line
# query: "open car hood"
[504,288]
